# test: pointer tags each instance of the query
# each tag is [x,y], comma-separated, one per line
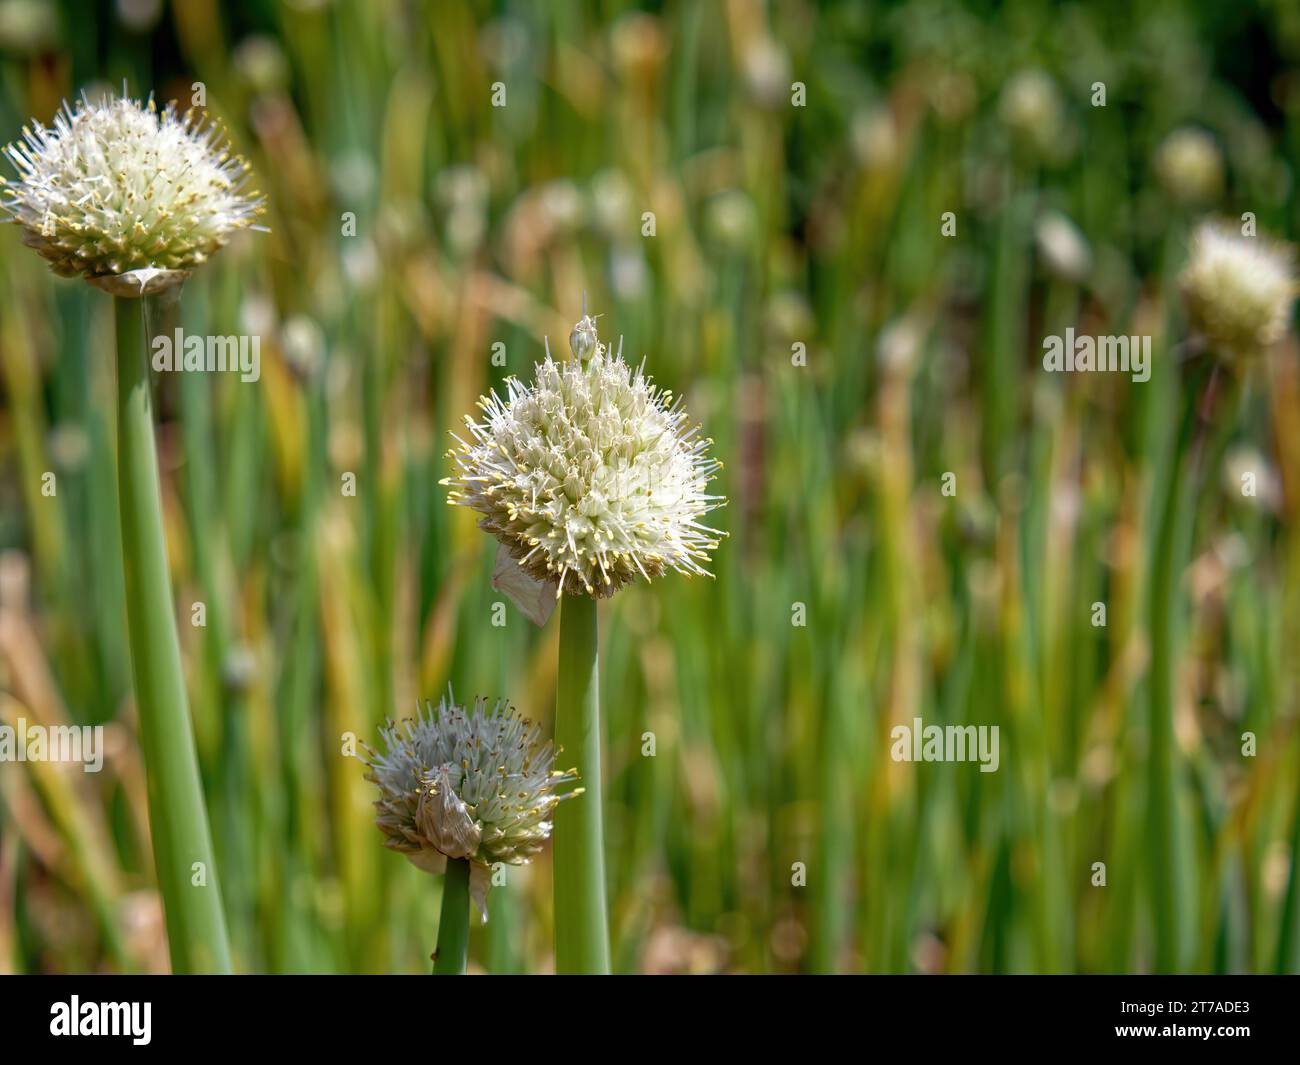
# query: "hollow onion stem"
[452,956]
[581,925]
[178,820]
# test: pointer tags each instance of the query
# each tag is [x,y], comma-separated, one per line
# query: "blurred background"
[846,347]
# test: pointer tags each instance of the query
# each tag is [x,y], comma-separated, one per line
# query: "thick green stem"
[1177,517]
[178,820]
[452,955]
[581,926]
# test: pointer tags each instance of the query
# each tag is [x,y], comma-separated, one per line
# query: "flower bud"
[583,340]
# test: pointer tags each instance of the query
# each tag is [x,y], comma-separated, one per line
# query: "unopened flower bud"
[583,339]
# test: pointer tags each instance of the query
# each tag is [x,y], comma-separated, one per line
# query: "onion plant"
[590,478]
[132,199]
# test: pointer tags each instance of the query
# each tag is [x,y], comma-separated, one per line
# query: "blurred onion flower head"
[589,476]
[611,203]
[1238,289]
[475,784]
[1030,105]
[1063,248]
[119,188]
[1190,166]
[731,219]
[767,71]
[463,192]
[261,64]
[562,206]
[28,27]
[873,134]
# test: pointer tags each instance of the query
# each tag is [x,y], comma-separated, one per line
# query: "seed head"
[1238,289]
[118,188]
[474,784]
[589,475]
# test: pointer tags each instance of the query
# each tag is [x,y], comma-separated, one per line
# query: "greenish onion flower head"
[1239,290]
[589,477]
[1190,166]
[466,783]
[129,197]
[1031,108]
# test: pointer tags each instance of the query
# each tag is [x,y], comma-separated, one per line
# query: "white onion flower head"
[1064,249]
[476,784]
[129,197]
[1238,289]
[589,476]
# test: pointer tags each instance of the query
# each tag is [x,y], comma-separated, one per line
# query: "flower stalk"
[452,955]
[182,841]
[1239,291]
[581,921]
[1208,397]
[1173,542]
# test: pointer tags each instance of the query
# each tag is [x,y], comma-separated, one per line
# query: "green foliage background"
[774,225]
